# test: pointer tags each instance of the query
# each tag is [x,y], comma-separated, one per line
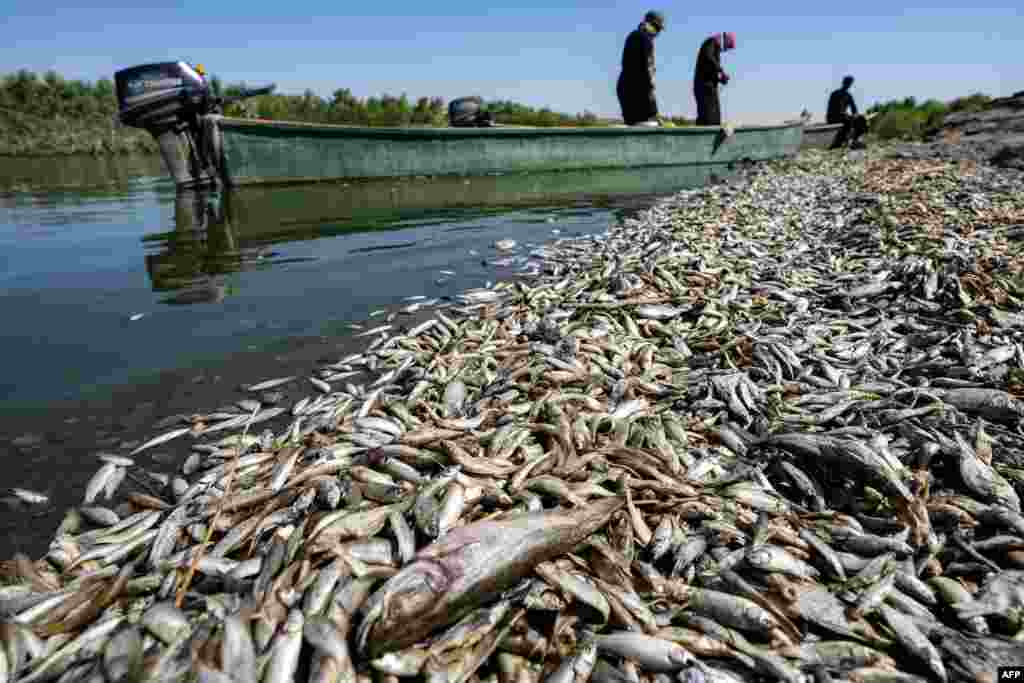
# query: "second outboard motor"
[467,112]
[173,101]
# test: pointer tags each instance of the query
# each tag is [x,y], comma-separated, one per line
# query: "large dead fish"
[467,568]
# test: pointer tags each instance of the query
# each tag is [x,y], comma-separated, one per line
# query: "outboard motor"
[172,100]
[467,112]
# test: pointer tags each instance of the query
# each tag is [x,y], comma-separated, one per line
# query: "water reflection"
[77,173]
[196,255]
[217,234]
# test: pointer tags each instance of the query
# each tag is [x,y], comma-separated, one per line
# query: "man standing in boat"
[708,74]
[636,82]
[839,103]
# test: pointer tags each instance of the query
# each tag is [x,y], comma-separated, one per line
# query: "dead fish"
[30,497]
[270,384]
[321,385]
[454,396]
[658,311]
[98,482]
[99,515]
[469,565]
[375,330]
[653,654]
[162,439]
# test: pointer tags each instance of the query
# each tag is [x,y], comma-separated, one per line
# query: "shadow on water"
[219,233]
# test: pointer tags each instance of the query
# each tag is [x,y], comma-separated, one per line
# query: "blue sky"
[555,53]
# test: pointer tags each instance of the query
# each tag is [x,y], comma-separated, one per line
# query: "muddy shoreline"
[121,417]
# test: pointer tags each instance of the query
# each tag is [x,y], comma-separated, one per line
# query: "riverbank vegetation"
[50,115]
[908,119]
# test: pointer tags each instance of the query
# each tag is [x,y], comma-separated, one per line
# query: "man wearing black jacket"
[839,102]
[636,82]
[708,75]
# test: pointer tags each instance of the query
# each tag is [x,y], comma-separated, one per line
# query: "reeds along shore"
[767,429]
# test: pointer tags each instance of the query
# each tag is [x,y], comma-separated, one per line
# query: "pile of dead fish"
[765,430]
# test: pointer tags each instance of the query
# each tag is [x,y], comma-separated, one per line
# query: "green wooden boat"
[251,151]
[200,146]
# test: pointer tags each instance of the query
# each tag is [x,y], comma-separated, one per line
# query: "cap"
[655,19]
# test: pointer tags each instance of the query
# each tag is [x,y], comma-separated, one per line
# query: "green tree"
[104,88]
[22,86]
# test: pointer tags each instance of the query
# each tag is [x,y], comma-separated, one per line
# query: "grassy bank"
[49,115]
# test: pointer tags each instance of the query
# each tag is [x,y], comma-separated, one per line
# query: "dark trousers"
[636,101]
[853,128]
[709,111]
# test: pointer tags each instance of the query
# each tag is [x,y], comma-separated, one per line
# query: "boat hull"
[275,152]
[820,136]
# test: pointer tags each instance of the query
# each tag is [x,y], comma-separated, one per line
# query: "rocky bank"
[995,135]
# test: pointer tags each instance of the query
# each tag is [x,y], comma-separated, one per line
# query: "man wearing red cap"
[636,82]
[708,75]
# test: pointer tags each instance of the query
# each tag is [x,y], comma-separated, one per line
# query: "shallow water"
[124,300]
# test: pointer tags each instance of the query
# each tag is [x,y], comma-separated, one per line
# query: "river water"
[124,302]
